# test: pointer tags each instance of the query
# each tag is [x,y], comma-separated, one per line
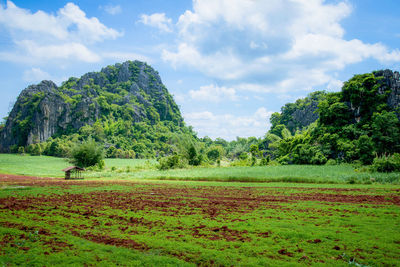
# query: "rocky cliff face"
[131,89]
[390,81]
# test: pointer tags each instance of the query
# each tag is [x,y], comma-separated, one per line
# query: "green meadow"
[138,169]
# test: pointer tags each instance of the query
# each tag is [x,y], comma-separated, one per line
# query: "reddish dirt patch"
[218,233]
[315,241]
[285,252]
[118,242]
[22,178]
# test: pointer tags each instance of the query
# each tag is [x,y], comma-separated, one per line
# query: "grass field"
[46,222]
[133,215]
[129,169]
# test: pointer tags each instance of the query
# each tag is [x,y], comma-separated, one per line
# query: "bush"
[265,160]
[331,162]
[194,158]
[241,163]
[273,163]
[21,150]
[243,156]
[387,163]
[87,154]
[285,160]
[171,162]
[215,153]
[35,149]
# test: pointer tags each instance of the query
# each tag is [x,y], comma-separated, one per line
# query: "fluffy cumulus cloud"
[229,126]
[213,93]
[157,20]
[276,45]
[42,36]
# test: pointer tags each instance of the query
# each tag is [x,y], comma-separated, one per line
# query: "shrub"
[273,163]
[241,163]
[21,150]
[194,158]
[215,153]
[171,162]
[387,163]
[284,160]
[265,160]
[87,154]
[331,162]
[253,160]
[35,149]
[318,159]
[243,156]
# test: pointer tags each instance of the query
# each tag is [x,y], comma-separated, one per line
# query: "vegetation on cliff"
[125,107]
[357,124]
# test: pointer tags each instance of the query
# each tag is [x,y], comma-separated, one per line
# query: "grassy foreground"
[47,222]
[44,166]
[121,217]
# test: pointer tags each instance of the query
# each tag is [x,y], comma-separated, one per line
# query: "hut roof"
[72,168]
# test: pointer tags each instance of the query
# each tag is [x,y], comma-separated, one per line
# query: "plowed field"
[45,221]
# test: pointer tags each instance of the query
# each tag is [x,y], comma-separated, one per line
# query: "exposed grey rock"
[391,80]
[305,116]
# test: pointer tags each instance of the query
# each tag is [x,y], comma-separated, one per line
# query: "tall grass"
[289,173]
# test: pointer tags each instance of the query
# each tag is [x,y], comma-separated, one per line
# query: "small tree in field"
[87,154]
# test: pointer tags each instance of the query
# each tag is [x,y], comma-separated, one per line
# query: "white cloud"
[223,65]
[89,29]
[112,10]
[283,45]
[229,126]
[36,75]
[41,36]
[157,20]
[62,51]
[213,93]
[70,23]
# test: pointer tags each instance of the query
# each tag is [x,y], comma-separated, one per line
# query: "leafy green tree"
[215,153]
[386,132]
[365,149]
[86,154]
[254,150]
[194,158]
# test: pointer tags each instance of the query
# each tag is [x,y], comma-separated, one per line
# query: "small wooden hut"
[73,172]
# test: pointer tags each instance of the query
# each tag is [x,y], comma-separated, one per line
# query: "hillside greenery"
[355,125]
[133,117]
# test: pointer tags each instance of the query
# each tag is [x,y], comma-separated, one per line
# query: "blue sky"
[229,63]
